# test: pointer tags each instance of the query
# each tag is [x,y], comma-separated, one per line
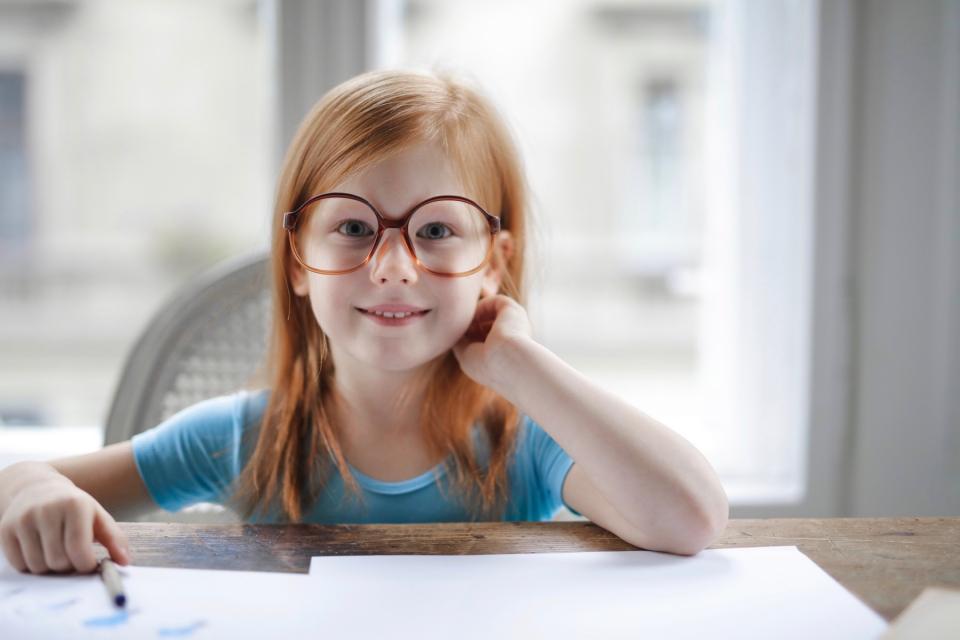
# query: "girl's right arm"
[52,512]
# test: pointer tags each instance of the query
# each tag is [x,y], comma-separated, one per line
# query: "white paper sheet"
[163,603]
[759,592]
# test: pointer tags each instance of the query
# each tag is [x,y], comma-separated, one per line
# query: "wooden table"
[886,562]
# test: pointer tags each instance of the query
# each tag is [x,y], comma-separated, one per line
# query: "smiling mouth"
[398,315]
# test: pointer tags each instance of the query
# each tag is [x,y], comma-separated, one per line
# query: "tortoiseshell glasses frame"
[292,218]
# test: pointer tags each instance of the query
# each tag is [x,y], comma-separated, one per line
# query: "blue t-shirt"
[197,454]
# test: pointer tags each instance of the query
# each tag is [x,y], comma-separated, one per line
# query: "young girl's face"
[394,186]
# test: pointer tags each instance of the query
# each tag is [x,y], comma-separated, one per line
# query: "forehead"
[399,182]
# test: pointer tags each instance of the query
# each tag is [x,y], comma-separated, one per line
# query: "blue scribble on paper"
[118,618]
[179,632]
[57,606]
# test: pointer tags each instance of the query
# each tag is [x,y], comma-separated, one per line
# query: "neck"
[378,401]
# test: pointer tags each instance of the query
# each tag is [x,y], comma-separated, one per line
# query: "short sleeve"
[195,455]
[542,466]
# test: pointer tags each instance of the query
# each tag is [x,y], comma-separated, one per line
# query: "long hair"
[355,125]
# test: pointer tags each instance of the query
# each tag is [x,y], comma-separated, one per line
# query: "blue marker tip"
[120,600]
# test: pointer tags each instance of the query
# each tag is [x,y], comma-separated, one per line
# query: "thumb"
[107,532]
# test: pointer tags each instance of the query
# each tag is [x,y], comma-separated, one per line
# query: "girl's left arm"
[631,474]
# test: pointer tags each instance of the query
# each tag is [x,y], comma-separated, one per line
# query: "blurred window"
[135,152]
[14,213]
[664,187]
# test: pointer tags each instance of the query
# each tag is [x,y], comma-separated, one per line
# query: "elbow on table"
[707,523]
[696,530]
[699,539]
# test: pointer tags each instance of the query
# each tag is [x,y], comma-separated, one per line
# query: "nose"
[393,262]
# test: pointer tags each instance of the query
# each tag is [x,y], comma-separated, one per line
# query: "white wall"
[905,255]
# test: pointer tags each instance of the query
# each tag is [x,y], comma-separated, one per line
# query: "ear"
[493,275]
[298,278]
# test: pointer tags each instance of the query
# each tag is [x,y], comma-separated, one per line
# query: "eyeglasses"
[337,233]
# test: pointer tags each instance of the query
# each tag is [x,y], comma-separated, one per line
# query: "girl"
[405,385]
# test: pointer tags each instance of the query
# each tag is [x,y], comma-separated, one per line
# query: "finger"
[490,307]
[32,549]
[11,549]
[500,301]
[476,332]
[51,540]
[108,533]
[78,540]
[503,308]
[482,320]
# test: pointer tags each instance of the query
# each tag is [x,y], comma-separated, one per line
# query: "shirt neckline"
[402,486]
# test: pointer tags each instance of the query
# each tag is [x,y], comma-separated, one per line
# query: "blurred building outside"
[137,143]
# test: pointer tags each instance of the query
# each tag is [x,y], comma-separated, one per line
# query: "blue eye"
[354,228]
[434,231]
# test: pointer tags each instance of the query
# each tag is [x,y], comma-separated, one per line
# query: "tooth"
[394,314]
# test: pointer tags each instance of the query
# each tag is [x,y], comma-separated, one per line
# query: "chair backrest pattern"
[208,341]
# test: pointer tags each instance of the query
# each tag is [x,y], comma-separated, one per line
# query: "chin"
[402,359]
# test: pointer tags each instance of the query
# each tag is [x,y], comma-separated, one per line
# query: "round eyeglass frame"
[292,218]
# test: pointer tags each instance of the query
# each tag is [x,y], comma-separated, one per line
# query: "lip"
[393,308]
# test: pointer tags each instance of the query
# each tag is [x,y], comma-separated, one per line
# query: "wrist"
[21,475]
[514,360]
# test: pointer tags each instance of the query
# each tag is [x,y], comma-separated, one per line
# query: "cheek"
[459,307]
[328,299]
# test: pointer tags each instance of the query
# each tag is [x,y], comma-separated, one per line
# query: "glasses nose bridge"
[380,250]
[392,223]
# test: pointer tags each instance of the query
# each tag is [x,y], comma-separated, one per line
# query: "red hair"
[354,126]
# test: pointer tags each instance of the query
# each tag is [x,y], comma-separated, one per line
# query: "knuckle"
[79,552]
[17,563]
[27,519]
[76,536]
[63,502]
[107,520]
[11,548]
[78,500]
[58,562]
[46,512]
[74,506]
[82,558]
[35,564]
[85,564]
